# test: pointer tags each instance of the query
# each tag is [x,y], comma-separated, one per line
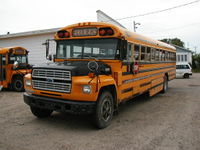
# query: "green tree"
[196,62]
[175,41]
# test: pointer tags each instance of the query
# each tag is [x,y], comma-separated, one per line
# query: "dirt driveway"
[168,121]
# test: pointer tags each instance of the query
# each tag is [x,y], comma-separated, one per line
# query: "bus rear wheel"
[18,84]
[165,85]
[104,110]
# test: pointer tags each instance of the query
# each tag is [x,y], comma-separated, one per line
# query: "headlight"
[28,82]
[87,89]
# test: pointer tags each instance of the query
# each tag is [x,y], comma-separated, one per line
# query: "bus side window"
[143,53]
[174,56]
[152,54]
[136,52]
[129,52]
[157,55]
[166,54]
[160,55]
[163,55]
[148,54]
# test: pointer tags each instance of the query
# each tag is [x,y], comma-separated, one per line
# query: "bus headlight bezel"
[28,82]
[87,89]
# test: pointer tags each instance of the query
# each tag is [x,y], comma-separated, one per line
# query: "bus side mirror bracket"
[124,49]
[47,48]
[15,65]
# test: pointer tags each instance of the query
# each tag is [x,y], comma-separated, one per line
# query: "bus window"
[163,55]
[157,55]
[77,51]
[160,55]
[148,54]
[174,56]
[137,52]
[143,53]
[152,54]
[95,51]
[129,52]
[166,54]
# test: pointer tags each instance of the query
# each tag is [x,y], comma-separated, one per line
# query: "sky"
[183,22]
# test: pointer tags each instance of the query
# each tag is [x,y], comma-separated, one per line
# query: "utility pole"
[135,24]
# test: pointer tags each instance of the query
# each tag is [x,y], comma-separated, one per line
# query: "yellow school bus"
[13,66]
[97,66]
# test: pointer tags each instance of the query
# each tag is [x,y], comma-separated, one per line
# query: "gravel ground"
[168,121]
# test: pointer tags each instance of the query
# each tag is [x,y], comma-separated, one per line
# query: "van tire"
[18,84]
[186,75]
[40,112]
[104,110]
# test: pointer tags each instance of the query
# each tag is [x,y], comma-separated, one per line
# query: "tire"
[186,75]
[165,85]
[104,110]
[40,112]
[18,84]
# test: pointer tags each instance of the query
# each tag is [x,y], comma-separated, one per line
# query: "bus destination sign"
[19,51]
[84,32]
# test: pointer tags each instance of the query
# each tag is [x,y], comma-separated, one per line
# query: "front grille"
[52,80]
[55,74]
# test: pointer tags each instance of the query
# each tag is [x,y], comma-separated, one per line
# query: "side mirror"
[15,65]
[123,49]
[49,57]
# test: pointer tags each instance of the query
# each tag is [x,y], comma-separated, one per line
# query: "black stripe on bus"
[147,70]
[146,62]
[127,90]
[139,93]
[145,84]
[140,78]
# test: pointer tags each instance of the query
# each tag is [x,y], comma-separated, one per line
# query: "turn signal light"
[91,75]
[106,31]
[63,34]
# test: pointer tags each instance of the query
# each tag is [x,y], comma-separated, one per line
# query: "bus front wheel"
[40,112]
[18,84]
[104,110]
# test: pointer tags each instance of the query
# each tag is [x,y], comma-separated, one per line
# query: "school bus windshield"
[22,59]
[87,48]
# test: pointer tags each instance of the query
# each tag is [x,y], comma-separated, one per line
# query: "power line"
[175,28]
[158,11]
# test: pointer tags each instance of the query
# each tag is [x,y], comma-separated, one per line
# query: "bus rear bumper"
[60,105]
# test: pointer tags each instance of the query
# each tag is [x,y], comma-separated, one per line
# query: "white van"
[183,70]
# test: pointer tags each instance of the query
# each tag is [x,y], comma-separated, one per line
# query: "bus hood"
[77,68]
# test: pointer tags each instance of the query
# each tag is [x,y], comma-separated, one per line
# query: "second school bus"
[98,66]
[13,66]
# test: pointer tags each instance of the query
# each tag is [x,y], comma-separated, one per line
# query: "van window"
[182,67]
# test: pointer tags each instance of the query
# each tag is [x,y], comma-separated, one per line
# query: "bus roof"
[122,33]
[4,50]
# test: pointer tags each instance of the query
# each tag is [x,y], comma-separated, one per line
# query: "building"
[32,41]
[183,55]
